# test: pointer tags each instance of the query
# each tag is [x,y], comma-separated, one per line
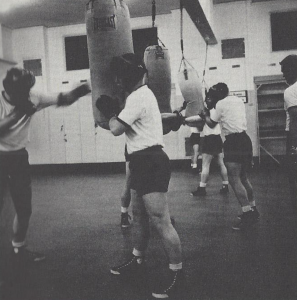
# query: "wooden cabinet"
[271,116]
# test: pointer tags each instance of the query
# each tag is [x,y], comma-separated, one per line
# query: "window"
[233,48]
[76,47]
[142,38]
[76,51]
[284,30]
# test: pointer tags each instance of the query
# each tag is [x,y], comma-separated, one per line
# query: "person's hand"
[178,121]
[108,106]
[203,113]
[68,98]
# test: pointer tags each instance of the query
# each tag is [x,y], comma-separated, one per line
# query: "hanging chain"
[181,28]
[205,62]
[153,13]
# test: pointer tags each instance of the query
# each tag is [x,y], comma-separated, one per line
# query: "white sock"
[246,208]
[137,253]
[124,209]
[17,244]
[225,182]
[176,267]
[194,166]
[202,184]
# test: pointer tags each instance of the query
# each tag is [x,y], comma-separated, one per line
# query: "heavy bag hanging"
[157,62]
[191,89]
[109,34]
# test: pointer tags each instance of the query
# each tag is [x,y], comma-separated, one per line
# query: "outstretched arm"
[63,98]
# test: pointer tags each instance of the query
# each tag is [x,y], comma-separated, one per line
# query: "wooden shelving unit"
[271,117]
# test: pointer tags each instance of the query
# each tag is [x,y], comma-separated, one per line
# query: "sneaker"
[224,190]
[247,219]
[201,191]
[125,220]
[256,213]
[172,288]
[22,254]
[134,265]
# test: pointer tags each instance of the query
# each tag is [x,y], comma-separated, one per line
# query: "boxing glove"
[108,106]
[68,98]
[26,106]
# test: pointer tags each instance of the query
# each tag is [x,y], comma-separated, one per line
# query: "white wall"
[243,19]
[250,21]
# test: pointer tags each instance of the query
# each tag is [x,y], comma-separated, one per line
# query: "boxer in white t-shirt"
[238,152]
[141,122]
[289,70]
[17,105]
[212,147]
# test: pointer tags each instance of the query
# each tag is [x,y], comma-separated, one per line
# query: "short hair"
[218,91]
[129,66]
[289,63]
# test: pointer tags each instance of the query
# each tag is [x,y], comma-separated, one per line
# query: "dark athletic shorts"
[15,170]
[195,138]
[150,171]
[212,144]
[238,148]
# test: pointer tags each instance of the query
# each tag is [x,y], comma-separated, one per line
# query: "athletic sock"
[176,267]
[137,253]
[124,209]
[202,184]
[225,182]
[253,203]
[17,244]
[246,208]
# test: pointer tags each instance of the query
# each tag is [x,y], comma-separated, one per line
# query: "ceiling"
[51,13]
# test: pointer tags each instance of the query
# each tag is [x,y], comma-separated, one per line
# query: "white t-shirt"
[230,111]
[216,130]
[194,130]
[17,136]
[142,114]
[290,98]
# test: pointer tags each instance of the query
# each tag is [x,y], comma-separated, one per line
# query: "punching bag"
[109,34]
[157,62]
[191,89]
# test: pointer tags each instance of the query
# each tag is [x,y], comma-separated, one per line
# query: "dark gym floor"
[75,223]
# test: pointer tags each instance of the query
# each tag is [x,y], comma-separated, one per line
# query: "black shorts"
[238,148]
[15,170]
[195,138]
[150,171]
[212,144]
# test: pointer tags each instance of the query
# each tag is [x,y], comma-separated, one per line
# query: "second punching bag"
[191,89]
[157,62]
[109,34]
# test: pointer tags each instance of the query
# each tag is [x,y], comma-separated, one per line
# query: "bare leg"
[126,194]
[195,155]
[234,171]
[222,166]
[246,183]
[206,160]
[140,229]
[157,208]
